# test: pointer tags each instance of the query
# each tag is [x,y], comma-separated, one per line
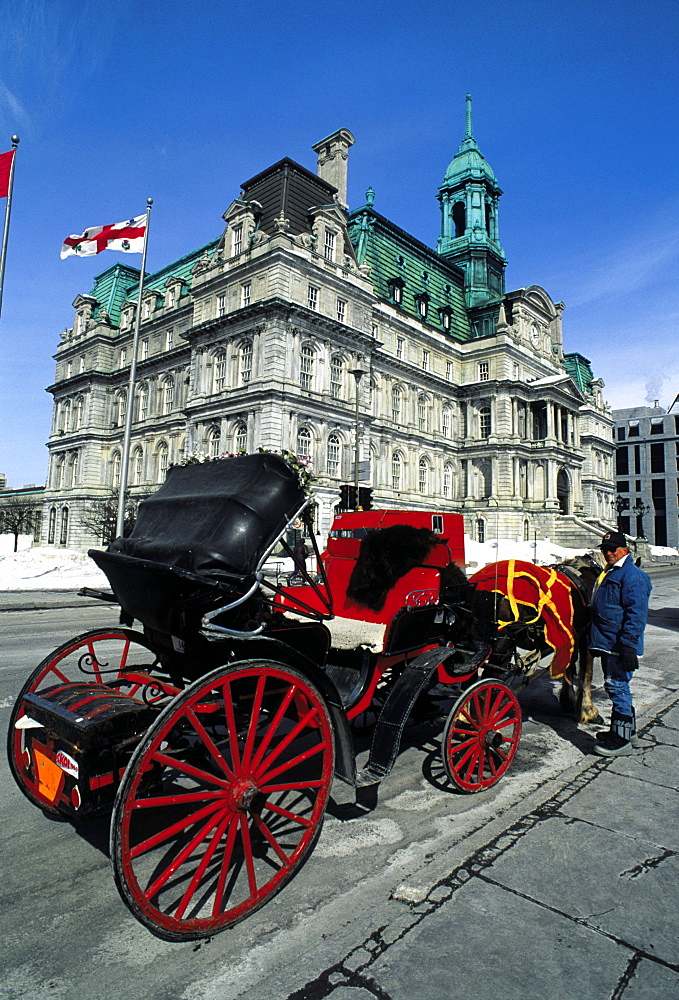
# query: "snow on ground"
[65,569]
[49,569]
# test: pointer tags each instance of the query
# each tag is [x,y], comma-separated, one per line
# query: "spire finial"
[468,130]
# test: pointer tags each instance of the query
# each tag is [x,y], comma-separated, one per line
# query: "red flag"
[127,236]
[5,170]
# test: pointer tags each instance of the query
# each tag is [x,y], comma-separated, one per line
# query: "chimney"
[333,154]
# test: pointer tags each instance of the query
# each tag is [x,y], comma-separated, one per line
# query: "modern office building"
[302,313]
[647,472]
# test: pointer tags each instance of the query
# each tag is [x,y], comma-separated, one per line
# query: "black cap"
[613,540]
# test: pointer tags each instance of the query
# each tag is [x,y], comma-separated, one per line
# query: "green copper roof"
[393,254]
[120,283]
[468,162]
[580,370]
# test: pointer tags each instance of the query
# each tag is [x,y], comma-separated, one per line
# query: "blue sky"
[575,108]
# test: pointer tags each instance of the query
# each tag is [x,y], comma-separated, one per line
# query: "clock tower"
[469,197]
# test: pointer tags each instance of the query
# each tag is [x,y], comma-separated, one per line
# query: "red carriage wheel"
[223,799]
[103,656]
[481,735]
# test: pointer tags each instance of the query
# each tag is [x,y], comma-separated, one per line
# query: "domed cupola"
[469,197]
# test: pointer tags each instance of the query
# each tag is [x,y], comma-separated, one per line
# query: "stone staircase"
[579,533]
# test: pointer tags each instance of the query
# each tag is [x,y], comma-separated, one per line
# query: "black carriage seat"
[203,535]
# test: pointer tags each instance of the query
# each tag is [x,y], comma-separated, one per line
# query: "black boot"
[617,741]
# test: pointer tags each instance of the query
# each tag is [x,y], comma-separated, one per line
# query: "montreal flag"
[126,236]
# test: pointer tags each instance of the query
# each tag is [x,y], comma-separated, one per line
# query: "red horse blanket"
[534,593]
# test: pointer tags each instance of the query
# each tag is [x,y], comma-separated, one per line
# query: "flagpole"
[124,462]
[8,209]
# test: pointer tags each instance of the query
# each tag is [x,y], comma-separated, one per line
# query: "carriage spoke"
[185,853]
[231,725]
[186,768]
[287,740]
[164,835]
[254,717]
[264,829]
[288,765]
[273,726]
[202,867]
[209,743]
[225,865]
[247,851]
[293,817]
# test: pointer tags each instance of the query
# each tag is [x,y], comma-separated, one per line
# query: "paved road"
[428,895]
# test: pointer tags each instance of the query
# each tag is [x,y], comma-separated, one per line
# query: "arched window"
[526,531]
[484,422]
[423,476]
[219,372]
[212,442]
[161,462]
[115,469]
[336,376]
[60,473]
[120,408]
[396,471]
[52,526]
[138,466]
[241,437]
[448,481]
[72,470]
[63,536]
[168,395]
[396,404]
[423,413]
[480,530]
[143,402]
[66,416]
[304,443]
[245,362]
[459,218]
[334,456]
[306,367]
[446,421]
[79,411]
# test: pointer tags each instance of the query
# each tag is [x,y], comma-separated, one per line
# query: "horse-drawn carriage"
[214,731]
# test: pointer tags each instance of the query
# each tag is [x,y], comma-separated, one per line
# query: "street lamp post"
[620,504]
[640,509]
[358,374]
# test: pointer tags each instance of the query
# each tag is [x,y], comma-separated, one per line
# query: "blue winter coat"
[620,609]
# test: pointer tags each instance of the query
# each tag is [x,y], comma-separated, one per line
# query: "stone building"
[647,472]
[466,400]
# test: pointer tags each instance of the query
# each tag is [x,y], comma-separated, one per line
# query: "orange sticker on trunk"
[50,776]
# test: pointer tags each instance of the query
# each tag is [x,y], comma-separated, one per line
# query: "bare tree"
[101,516]
[19,516]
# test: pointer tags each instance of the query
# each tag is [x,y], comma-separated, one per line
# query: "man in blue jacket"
[619,615]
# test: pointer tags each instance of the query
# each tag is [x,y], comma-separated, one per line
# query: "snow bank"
[541,551]
[65,569]
[7,544]
[49,569]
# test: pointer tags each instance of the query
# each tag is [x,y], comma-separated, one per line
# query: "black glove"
[628,658]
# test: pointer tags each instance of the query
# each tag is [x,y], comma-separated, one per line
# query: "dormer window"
[237,244]
[329,248]
[396,286]
[171,297]
[146,309]
[422,305]
[446,315]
